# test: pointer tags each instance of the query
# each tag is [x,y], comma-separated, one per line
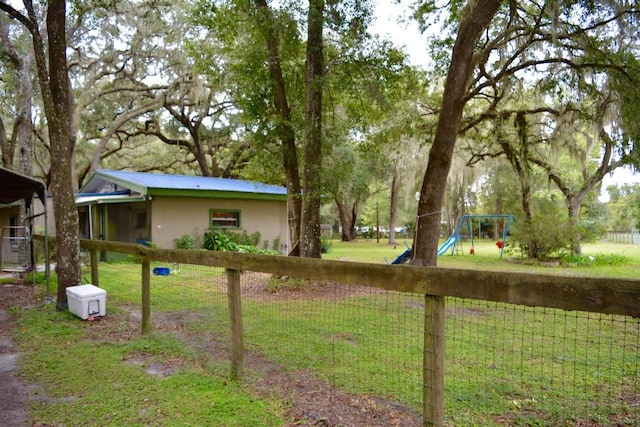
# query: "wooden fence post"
[146,295]
[235,318]
[433,362]
[95,280]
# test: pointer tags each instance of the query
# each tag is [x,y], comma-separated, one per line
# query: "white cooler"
[86,300]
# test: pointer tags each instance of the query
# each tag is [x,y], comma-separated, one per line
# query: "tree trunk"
[574,216]
[532,245]
[519,160]
[294,192]
[310,242]
[285,130]
[22,138]
[524,172]
[498,230]
[24,130]
[476,16]
[4,146]
[62,146]
[348,218]
[393,213]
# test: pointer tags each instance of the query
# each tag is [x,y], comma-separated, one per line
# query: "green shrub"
[551,232]
[218,241]
[251,249]
[221,241]
[598,260]
[325,245]
[185,242]
[242,237]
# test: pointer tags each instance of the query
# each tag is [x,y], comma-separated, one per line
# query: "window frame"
[138,215]
[237,216]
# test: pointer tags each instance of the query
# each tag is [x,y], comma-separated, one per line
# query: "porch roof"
[83,199]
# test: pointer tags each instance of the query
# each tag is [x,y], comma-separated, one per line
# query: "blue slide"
[406,255]
[447,245]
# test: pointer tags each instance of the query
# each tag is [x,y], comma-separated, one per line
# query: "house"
[148,207]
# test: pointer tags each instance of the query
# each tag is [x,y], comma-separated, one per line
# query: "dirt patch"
[315,402]
[17,294]
[255,286]
[163,369]
[15,392]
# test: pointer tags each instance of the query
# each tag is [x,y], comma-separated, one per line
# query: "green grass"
[348,343]
[87,381]
[505,364]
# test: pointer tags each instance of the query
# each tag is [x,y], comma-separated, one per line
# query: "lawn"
[619,260]
[505,364]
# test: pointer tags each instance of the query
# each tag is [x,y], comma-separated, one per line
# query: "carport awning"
[16,186]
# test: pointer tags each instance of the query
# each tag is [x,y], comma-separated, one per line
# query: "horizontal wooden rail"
[595,294]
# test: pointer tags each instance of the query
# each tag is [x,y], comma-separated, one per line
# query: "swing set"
[454,243]
[455,240]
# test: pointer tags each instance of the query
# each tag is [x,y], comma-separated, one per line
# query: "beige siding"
[172,218]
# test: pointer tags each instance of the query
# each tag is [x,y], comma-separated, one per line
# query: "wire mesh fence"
[542,366]
[328,344]
[351,336]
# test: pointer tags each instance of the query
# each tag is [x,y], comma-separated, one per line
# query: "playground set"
[454,243]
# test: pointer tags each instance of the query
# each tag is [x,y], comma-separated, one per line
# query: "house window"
[140,219]
[219,218]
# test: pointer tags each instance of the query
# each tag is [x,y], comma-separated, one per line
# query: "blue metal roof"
[143,181]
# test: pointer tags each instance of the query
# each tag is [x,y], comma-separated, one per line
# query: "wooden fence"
[630,238]
[591,294]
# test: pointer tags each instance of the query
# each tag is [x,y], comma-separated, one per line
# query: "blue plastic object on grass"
[162,271]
